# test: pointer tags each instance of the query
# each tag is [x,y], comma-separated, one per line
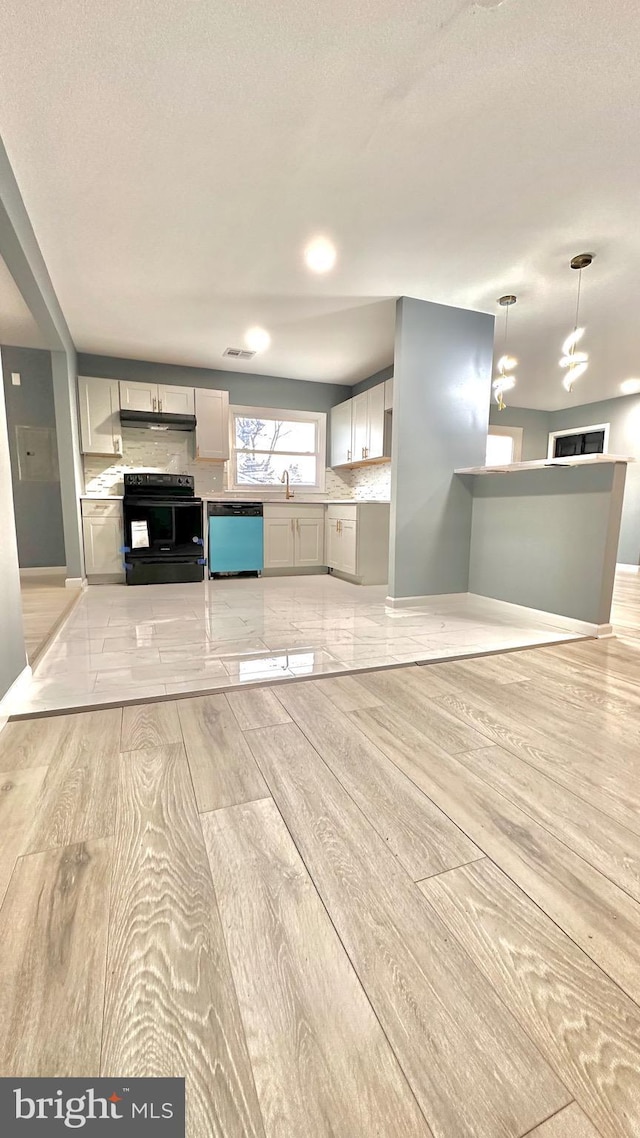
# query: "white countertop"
[545,463]
[265,501]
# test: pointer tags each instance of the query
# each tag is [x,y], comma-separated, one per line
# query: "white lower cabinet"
[102,531]
[293,537]
[357,541]
[279,543]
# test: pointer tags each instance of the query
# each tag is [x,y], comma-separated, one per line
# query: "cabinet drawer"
[105,509]
[342,513]
[281,510]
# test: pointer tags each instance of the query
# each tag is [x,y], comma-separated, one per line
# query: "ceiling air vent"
[239,353]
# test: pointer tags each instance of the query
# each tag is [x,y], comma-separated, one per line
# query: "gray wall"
[12,651]
[535,424]
[442,379]
[623,414]
[23,258]
[547,538]
[38,507]
[372,380]
[244,390]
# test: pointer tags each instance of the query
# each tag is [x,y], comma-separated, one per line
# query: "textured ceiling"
[175,155]
[17,326]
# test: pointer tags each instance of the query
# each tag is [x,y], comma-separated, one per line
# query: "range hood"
[157,421]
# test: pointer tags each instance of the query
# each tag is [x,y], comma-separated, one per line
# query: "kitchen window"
[265,442]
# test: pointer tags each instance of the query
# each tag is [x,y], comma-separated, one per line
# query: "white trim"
[553,435]
[556,621]
[44,571]
[19,685]
[75,583]
[412,602]
[627,568]
[515,433]
[317,417]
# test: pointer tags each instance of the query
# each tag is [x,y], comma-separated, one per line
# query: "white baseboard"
[44,571]
[19,685]
[414,602]
[76,583]
[546,619]
[551,619]
[627,568]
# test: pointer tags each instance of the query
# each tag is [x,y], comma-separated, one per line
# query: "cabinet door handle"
[155,401]
[159,405]
[348,456]
[293,528]
[363,452]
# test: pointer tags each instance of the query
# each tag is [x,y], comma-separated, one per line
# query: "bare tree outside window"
[265,447]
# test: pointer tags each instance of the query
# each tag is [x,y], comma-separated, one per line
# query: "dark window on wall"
[589,442]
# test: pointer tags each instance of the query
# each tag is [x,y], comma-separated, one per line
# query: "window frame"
[320,454]
[553,435]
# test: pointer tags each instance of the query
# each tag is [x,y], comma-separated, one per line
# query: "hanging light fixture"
[575,362]
[505,379]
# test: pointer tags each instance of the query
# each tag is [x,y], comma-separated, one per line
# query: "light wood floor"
[45,603]
[400,904]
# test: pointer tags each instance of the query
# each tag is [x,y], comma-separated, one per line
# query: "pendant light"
[575,362]
[505,379]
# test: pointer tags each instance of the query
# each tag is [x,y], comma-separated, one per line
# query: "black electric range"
[163,529]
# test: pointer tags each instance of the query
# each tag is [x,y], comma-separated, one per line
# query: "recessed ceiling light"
[630,386]
[257,339]
[320,255]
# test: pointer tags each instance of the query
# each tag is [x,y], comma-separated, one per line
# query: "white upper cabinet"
[341,453]
[138,396]
[157,398]
[212,424]
[360,426]
[99,416]
[375,418]
[388,394]
[176,400]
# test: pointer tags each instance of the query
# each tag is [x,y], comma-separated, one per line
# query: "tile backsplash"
[372,483]
[174,452]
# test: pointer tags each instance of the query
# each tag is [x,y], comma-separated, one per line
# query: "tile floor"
[123,644]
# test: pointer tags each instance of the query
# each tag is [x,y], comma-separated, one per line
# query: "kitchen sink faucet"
[285,478]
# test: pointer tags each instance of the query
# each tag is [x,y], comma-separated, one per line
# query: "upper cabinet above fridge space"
[101,402]
[361,427]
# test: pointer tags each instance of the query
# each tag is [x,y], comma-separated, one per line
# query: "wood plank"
[589,776]
[77,798]
[150,725]
[32,742]
[321,1061]
[598,915]
[421,836]
[170,1005]
[223,770]
[409,692]
[600,840]
[473,1072]
[346,693]
[18,794]
[569,1123]
[257,707]
[585,1027]
[53,942]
